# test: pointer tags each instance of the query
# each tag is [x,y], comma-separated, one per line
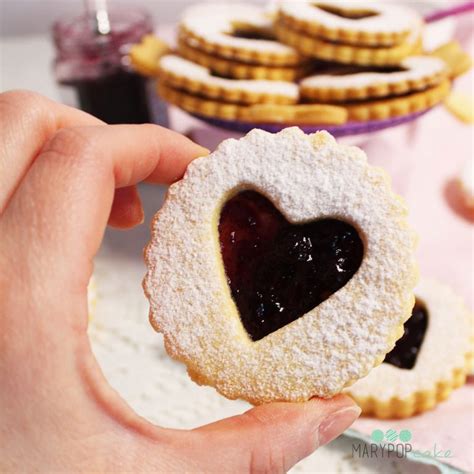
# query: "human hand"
[63,175]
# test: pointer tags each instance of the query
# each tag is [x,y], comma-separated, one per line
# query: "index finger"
[64,202]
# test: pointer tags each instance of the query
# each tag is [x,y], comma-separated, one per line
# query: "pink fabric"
[423,159]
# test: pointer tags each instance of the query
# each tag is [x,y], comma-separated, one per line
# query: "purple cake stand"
[350,128]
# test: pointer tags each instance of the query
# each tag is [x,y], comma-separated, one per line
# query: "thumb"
[274,437]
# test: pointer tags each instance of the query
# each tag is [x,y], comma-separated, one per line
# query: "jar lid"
[83,51]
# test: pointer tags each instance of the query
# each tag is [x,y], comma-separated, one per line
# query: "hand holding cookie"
[63,176]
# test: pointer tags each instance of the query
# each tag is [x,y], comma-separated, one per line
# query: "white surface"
[130,353]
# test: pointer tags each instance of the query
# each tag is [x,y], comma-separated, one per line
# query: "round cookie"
[427,363]
[254,113]
[356,23]
[236,31]
[225,310]
[195,79]
[240,70]
[397,106]
[348,53]
[414,73]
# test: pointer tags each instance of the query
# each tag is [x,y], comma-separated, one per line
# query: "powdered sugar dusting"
[183,68]
[212,22]
[417,68]
[389,18]
[307,178]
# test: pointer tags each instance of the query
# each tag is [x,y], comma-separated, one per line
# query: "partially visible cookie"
[457,60]
[348,53]
[356,23]
[254,113]
[389,107]
[461,105]
[145,55]
[241,70]
[430,360]
[238,32]
[182,74]
[280,267]
[412,74]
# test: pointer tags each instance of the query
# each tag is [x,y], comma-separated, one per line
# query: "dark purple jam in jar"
[95,67]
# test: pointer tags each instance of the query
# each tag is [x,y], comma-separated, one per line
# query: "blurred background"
[30,17]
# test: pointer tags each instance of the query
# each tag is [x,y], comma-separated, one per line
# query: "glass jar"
[94,69]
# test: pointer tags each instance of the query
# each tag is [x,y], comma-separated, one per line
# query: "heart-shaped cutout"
[278,271]
[406,350]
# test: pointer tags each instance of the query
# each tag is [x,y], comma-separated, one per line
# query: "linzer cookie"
[254,113]
[239,32]
[241,70]
[390,107]
[351,33]
[348,53]
[280,267]
[356,23]
[341,84]
[194,79]
[430,360]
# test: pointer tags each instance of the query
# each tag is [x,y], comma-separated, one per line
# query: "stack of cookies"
[232,67]
[375,69]
[302,63]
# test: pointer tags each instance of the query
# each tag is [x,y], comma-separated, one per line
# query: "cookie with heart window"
[280,267]
[428,362]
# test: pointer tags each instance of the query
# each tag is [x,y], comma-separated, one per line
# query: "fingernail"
[203,150]
[335,423]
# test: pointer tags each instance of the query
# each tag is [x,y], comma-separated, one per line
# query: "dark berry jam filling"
[351,14]
[406,350]
[278,271]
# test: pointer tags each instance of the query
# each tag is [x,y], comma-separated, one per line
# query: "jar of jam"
[93,66]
